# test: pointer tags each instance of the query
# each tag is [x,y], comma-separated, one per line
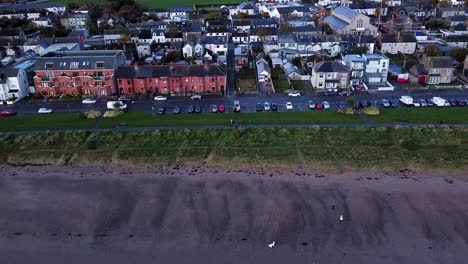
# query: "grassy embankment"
[45,122]
[448,115]
[331,148]
[159,3]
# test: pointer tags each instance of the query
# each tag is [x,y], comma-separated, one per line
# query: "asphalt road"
[247,102]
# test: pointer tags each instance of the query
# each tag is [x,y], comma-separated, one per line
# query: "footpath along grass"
[432,115]
[45,122]
[331,148]
[141,119]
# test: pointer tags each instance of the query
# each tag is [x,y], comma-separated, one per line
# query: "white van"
[111,105]
[438,101]
[406,100]
[236,106]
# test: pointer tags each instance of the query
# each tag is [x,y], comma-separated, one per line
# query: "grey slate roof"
[440,62]
[346,12]
[86,59]
[7,72]
[330,66]
[168,71]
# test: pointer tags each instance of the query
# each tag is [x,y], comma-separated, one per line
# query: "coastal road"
[247,102]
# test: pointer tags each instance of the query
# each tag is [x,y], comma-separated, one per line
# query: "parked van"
[236,107]
[438,101]
[406,100]
[111,105]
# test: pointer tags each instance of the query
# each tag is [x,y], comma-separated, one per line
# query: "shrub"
[347,111]
[92,114]
[371,111]
[113,113]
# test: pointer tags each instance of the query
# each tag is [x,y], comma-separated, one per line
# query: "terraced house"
[77,72]
[172,79]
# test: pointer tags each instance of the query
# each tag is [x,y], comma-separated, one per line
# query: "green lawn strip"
[44,122]
[140,119]
[432,115]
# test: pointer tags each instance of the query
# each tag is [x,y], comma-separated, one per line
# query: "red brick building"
[172,79]
[77,72]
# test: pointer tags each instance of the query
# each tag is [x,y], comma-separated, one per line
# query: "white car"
[160,98]
[266,106]
[88,101]
[416,104]
[289,106]
[294,94]
[326,105]
[44,111]
[196,97]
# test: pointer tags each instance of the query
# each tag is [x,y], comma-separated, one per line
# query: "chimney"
[206,65]
[171,66]
[136,66]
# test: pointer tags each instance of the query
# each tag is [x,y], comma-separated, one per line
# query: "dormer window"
[49,65]
[99,64]
[74,65]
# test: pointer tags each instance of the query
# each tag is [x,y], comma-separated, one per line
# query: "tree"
[433,3]
[432,50]
[285,27]
[459,54]
[124,39]
[262,32]
[351,101]
[192,37]
[377,12]
[435,24]
[297,61]
[267,15]
[359,50]
[445,3]
[242,15]
[326,28]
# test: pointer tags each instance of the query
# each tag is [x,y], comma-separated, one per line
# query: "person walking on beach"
[341,219]
[333,207]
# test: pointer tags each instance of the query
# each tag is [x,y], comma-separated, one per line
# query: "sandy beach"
[195,214]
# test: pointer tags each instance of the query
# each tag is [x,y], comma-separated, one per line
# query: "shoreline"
[186,214]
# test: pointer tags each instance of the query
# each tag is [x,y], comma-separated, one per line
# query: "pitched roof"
[170,71]
[439,62]
[62,60]
[418,70]
[345,11]
[7,72]
[335,22]
[330,66]
[402,37]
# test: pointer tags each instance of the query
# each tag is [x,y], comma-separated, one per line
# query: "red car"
[319,106]
[7,113]
[221,108]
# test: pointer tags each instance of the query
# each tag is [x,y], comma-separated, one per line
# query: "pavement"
[247,102]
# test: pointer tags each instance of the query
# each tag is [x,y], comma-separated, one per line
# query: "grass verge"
[141,119]
[432,115]
[45,122]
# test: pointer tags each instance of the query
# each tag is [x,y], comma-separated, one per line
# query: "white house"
[143,50]
[263,71]
[13,84]
[404,43]
[188,50]
[42,22]
[217,45]
[327,75]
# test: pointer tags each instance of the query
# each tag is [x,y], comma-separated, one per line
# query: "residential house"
[299,21]
[455,20]
[270,46]
[148,25]
[143,50]
[440,69]
[356,64]
[172,79]
[344,20]
[290,11]
[240,38]
[173,36]
[293,73]
[307,30]
[264,22]
[193,50]
[445,12]
[329,75]
[217,45]
[244,7]
[42,22]
[193,30]
[241,57]
[55,8]
[264,81]
[404,43]
[348,42]
[75,21]
[376,69]
[241,25]
[368,8]
[217,30]
[77,72]
[21,14]
[12,34]
[415,11]
[263,34]
[460,41]
[179,13]
[110,20]
[392,3]
[13,84]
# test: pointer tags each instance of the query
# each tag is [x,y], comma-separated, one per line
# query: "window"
[75,74]
[120,82]
[99,64]
[74,65]
[128,82]
[359,23]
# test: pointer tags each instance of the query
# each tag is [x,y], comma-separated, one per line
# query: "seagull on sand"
[341,218]
[272,244]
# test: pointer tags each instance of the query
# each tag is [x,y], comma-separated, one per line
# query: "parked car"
[453,102]
[176,110]
[266,106]
[274,107]
[7,113]
[196,97]
[326,105]
[330,93]
[294,94]
[385,103]
[422,102]
[394,103]
[342,105]
[311,105]
[221,108]
[359,88]
[88,101]
[429,102]
[258,107]
[111,105]
[214,109]
[466,102]
[289,106]
[237,107]
[161,110]
[319,106]
[160,98]
[416,104]
[44,111]
[345,93]
[461,103]
[190,109]
[198,109]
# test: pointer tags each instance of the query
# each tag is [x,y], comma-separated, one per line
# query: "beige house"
[404,43]
[328,75]
[439,69]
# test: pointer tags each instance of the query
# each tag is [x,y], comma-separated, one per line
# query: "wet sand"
[194,214]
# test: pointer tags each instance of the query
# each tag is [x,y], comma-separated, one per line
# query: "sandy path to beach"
[187,214]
